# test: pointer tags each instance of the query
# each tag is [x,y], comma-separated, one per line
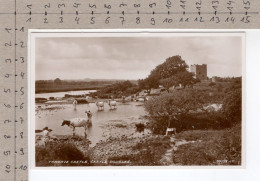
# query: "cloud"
[132,57]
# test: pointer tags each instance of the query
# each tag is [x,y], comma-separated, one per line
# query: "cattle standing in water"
[79,122]
[75,102]
[112,104]
[123,99]
[100,105]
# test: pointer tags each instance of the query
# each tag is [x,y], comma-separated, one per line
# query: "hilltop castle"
[200,71]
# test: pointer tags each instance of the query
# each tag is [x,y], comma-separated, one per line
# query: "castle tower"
[200,71]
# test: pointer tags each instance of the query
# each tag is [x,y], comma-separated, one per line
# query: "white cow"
[112,104]
[170,130]
[75,102]
[45,132]
[100,105]
[140,99]
[79,122]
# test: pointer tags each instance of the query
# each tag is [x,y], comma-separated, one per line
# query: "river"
[105,123]
[62,94]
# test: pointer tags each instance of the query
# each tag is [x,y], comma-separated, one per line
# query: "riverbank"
[69,151]
[200,147]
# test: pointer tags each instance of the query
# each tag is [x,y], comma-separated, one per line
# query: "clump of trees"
[169,109]
[184,110]
[173,72]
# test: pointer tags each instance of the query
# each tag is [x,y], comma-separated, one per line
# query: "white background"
[251,172]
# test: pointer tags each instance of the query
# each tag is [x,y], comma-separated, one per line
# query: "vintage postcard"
[136,99]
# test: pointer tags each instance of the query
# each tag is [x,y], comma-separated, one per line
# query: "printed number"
[23,167]
[92,6]
[7,105]
[7,75]
[7,90]
[8,30]
[7,136]
[107,20]
[21,150]
[168,20]
[168,4]
[77,20]
[8,168]
[7,121]
[8,60]
[76,5]
[92,20]
[6,153]
[107,6]
[122,20]
[152,21]
[138,20]
[21,134]
[22,74]
[22,59]
[21,90]
[21,119]
[151,5]
[61,5]
[61,20]
[22,44]
[21,106]
[8,44]
[246,3]
[47,5]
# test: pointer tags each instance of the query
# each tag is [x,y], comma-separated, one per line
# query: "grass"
[149,152]
[219,147]
[68,153]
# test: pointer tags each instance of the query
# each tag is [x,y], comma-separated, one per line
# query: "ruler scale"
[17,16]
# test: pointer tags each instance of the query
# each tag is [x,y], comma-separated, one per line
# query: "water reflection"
[102,121]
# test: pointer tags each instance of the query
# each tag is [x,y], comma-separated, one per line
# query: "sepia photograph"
[135,99]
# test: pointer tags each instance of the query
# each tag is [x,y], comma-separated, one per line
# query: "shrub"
[232,107]
[169,109]
[214,148]
[59,152]
[140,127]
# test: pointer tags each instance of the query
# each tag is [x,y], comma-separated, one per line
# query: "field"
[45,86]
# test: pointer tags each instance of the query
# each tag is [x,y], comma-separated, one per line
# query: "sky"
[132,58]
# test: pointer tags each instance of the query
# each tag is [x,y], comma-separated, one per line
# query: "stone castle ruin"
[200,71]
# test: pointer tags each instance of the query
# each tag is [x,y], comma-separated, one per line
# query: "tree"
[170,73]
[152,81]
[143,84]
[184,78]
[232,107]
[172,107]
[167,83]
[57,81]
[171,66]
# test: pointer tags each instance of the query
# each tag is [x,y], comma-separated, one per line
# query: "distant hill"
[57,85]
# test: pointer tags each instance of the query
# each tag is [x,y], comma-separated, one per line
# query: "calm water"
[125,113]
[62,94]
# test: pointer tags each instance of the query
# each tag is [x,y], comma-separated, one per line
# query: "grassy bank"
[63,152]
[211,147]
[147,152]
